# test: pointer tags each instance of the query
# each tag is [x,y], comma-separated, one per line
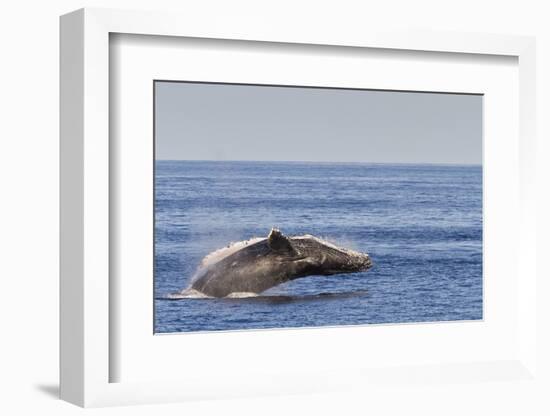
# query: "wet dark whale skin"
[275,260]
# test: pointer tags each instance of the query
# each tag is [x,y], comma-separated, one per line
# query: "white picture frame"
[86,167]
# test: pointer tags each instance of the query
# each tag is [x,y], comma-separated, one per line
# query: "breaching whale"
[261,263]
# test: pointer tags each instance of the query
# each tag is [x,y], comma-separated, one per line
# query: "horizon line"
[323,161]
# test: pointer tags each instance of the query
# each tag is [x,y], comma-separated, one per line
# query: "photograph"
[288,206]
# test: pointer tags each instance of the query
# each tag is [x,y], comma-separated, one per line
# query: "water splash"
[187,294]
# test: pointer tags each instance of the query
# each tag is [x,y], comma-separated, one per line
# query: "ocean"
[420,223]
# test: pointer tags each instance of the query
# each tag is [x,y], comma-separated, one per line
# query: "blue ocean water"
[421,224]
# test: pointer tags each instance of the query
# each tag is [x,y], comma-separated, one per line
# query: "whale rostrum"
[259,264]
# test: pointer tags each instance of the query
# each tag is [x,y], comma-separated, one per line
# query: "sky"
[205,121]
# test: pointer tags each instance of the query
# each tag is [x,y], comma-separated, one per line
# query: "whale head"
[318,256]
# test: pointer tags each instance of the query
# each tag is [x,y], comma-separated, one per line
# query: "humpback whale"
[259,264]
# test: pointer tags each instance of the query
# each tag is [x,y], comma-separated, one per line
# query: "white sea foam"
[188,294]
[195,294]
[240,295]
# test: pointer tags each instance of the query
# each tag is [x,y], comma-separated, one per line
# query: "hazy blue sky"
[247,122]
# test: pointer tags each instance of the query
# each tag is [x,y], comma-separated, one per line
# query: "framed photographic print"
[338,196]
[257,186]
